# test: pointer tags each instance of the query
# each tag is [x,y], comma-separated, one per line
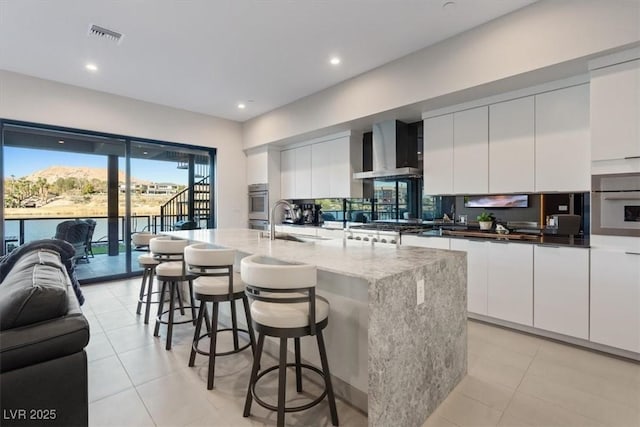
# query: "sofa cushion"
[34,290]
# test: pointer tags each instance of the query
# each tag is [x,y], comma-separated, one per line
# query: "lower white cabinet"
[561,290]
[510,282]
[425,242]
[477,274]
[615,298]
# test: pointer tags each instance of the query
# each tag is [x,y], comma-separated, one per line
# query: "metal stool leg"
[282,381]
[327,378]
[156,331]
[252,338]
[234,324]
[196,335]
[212,346]
[174,288]
[296,343]
[142,288]
[254,374]
[149,294]
[179,294]
[193,302]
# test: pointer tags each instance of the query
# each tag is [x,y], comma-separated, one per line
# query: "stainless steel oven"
[259,202]
[615,208]
[257,224]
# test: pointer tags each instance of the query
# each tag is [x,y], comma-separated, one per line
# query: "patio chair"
[76,233]
[92,227]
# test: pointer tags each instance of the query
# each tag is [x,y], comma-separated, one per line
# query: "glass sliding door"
[95,190]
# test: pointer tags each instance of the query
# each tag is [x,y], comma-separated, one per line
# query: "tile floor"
[514,379]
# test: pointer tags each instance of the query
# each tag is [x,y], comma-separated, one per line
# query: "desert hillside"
[52,173]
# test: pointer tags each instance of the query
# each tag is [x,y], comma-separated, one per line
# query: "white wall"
[42,101]
[536,38]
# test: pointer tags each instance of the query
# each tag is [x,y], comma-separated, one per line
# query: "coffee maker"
[311,214]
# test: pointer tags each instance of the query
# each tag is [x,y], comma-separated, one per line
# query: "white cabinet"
[332,166]
[615,111]
[425,241]
[288,174]
[477,273]
[295,173]
[438,155]
[615,298]
[561,290]
[303,172]
[510,282]
[471,151]
[321,168]
[511,146]
[562,144]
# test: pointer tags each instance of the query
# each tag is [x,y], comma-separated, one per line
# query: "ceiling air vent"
[103,33]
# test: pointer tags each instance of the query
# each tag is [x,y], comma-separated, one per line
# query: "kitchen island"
[396,339]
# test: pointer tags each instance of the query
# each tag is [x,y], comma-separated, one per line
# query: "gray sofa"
[43,333]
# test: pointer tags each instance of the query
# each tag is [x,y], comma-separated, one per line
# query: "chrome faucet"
[272,231]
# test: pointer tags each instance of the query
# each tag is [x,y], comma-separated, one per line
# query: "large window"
[55,178]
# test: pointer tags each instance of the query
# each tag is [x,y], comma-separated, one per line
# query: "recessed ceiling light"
[91,67]
[145,153]
[60,142]
[241,106]
[334,61]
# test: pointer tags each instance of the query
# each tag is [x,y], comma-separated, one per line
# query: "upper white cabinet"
[511,146]
[510,282]
[562,147]
[322,168]
[561,290]
[471,151]
[287,174]
[295,173]
[615,111]
[333,163]
[615,298]
[438,155]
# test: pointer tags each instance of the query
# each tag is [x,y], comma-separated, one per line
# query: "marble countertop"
[348,258]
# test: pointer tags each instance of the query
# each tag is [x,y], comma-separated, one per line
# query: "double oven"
[615,208]
[259,206]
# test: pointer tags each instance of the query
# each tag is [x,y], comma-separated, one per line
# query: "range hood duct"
[394,154]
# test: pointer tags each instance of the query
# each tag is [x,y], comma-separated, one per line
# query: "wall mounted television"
[497,201]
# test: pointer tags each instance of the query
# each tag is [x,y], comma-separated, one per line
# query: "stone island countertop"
[397,332]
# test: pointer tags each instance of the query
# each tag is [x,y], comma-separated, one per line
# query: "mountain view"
[63,191]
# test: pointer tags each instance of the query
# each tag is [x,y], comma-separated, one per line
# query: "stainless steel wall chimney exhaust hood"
[394,154]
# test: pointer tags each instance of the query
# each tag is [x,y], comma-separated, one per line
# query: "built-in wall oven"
[259,206]
[615,208]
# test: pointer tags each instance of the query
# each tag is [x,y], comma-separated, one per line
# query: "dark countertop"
[545,240]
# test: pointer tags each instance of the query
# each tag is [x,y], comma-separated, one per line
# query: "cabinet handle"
[632,157]
[542,245]
[504,242]
[632,253]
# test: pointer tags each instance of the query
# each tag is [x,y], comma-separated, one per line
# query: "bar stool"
[171,270]
[208,264]
[285,306]
[148,264]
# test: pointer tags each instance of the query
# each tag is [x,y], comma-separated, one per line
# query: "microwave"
[615,208]
[259,202]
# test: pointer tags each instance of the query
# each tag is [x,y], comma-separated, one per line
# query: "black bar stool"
[148,264]
[171,270]
[285,306]
[209,264]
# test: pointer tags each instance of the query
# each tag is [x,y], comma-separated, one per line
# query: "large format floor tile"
[514,379]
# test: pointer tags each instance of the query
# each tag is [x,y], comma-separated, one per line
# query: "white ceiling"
[208,55]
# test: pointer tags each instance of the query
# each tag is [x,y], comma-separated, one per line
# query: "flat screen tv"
[497,201]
